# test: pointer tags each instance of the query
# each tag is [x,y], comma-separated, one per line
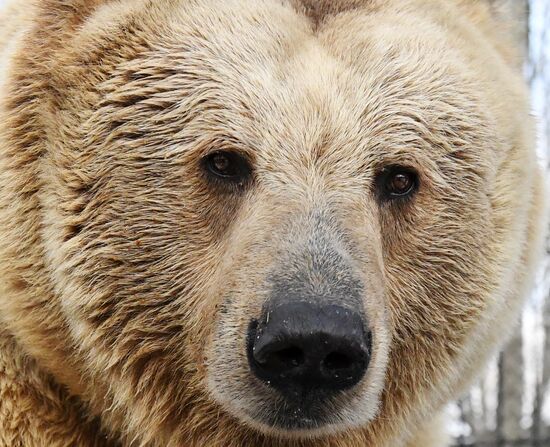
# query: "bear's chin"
[295,423]
[295,428]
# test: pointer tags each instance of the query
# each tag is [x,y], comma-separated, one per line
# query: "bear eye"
[396,182]
[227,166]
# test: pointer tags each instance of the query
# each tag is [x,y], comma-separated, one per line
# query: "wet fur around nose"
[129,276]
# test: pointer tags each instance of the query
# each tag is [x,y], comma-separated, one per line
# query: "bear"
[266,223]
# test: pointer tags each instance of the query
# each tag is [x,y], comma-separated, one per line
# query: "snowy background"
[510,406]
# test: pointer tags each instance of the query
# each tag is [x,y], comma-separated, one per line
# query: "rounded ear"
[514,16]
[70,9]
[504,23]
[57,18]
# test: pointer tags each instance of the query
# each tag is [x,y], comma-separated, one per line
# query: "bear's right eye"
[229,167]
[396,182]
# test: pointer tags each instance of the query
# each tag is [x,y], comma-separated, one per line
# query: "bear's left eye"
[396,182]
[227,166]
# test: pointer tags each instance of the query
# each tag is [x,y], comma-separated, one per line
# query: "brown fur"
[127,281]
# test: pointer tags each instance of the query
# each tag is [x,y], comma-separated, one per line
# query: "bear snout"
[307,350]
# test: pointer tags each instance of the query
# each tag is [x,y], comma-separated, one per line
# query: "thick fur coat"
[128,278]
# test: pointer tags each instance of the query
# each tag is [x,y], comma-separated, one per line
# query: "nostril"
[286,358]
[337,360]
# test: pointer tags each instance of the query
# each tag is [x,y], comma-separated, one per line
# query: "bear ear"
[72,8]
[56,20]
[504,23]
[66,14]
[513,15]
[512,20]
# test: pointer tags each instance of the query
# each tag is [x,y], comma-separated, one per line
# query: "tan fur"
[127,281]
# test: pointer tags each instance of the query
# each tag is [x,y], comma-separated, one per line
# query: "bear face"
[215,174]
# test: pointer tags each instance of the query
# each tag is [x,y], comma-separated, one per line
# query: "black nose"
[300,347]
